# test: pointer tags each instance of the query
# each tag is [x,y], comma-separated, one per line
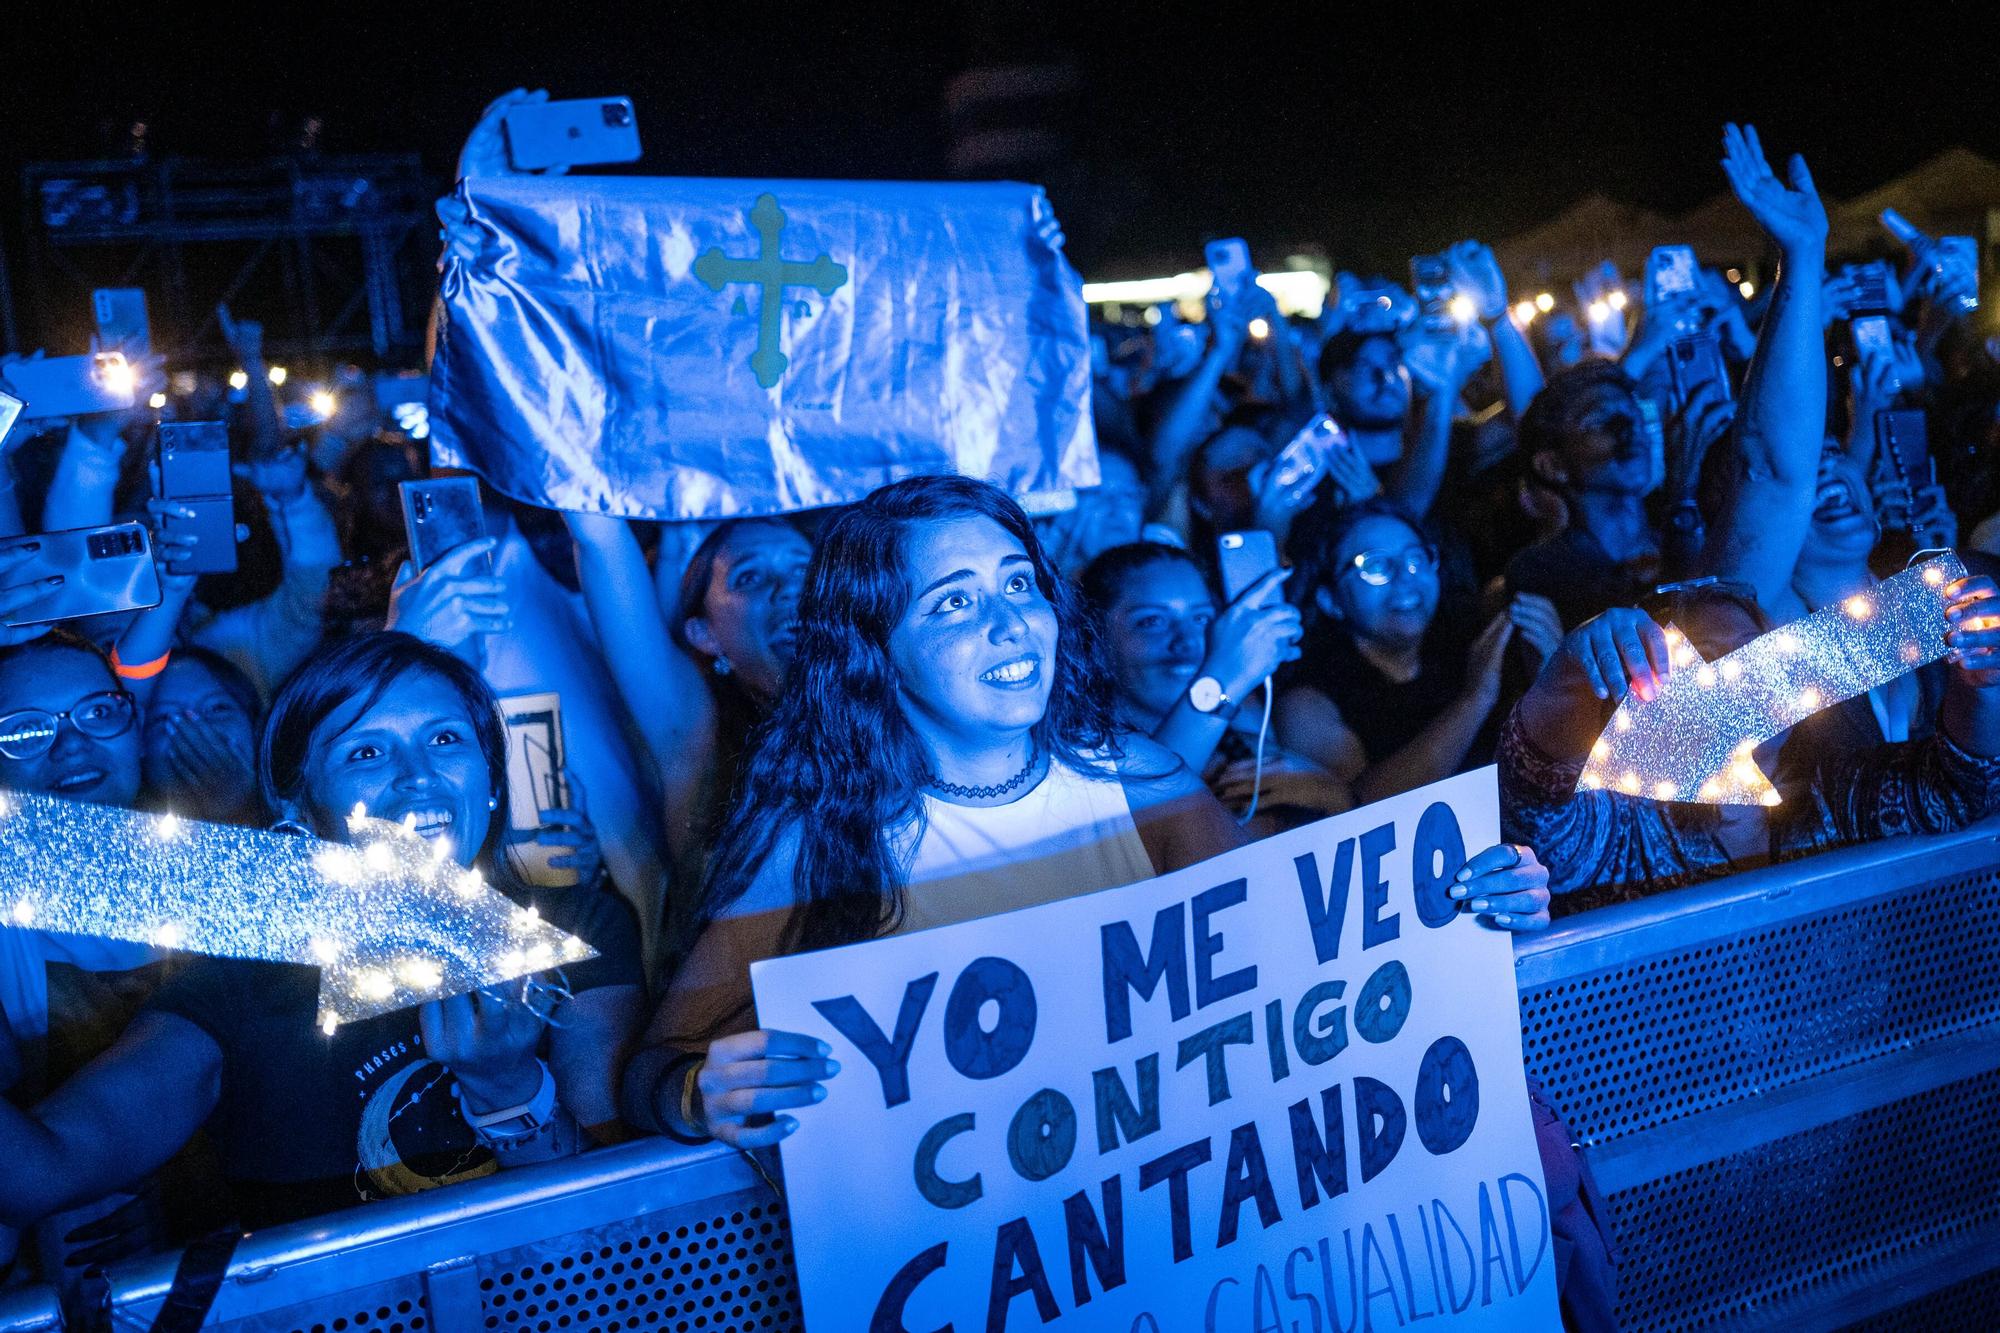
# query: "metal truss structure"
[333,254]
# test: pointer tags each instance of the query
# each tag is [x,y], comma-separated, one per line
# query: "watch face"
[1205,694]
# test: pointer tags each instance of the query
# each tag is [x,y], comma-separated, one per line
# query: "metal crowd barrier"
[1787,1082]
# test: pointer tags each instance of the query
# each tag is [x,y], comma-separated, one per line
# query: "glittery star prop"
[391,920]
[1693,740]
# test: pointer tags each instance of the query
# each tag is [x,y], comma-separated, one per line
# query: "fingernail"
[1502,919]
[1458,891]
[1477,904]
[832,1068]
[824,1049]
[29,546]
[1464,873]
[54,580]
[819,1093]
[788,1124]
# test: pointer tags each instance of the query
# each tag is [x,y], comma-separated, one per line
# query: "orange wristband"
[139,670]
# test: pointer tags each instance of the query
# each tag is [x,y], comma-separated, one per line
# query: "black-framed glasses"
[1376,568]
[31,732]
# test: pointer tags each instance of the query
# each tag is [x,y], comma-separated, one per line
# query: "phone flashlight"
[322,402]
[116,374]
[1260,329]
[1462,309]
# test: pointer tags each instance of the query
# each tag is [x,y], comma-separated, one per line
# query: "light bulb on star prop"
[388,921]
[1696,738]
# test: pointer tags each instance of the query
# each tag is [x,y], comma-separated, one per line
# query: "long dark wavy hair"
[838,769]
[366,667]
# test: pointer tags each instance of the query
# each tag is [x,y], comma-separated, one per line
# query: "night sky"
[1374,131]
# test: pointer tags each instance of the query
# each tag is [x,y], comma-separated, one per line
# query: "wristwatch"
[1206,695]
[514,1122]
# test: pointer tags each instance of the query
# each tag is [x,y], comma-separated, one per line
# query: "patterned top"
[1604,847]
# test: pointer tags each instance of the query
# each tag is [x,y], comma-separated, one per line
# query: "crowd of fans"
[785,734]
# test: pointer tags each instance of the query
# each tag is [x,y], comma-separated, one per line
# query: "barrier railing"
[1787,1082]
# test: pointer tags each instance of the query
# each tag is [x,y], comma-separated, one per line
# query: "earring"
[722,667]
[493,803]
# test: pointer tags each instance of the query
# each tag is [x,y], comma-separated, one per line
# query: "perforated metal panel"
[1703,1246]
[1778,1137]
[1972,1306]
[1643,1045]
[391,1307]
[723,1266]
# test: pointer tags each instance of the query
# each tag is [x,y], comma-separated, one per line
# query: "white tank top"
[1067,835]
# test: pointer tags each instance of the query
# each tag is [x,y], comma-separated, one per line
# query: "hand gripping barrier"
[1787,1082]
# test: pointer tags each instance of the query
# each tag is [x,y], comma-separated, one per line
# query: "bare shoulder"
[1151,773]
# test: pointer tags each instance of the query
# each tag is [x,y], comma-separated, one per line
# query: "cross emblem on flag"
[772,274]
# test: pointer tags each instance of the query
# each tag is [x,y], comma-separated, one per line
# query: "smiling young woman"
[945,751]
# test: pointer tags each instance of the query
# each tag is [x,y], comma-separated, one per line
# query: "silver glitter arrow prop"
[1693,740]
[391,920]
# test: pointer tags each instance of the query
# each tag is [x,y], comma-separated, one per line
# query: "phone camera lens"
[617,115]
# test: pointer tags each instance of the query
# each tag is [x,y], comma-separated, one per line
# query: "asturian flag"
[680,349]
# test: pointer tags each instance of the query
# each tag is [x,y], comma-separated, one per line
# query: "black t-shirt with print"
[308,1123]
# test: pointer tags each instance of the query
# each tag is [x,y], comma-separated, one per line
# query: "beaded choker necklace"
[987,793]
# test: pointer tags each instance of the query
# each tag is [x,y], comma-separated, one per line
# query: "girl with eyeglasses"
[67,728]
[1388,695]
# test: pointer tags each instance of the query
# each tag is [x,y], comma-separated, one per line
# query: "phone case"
[104,569]
[122,325]
[1904,436]
[194,473]
[440,516]
[1228,267]
[1692,362]
[1306,453]
[1243,558]
[573,134]
[535,758]
[64,386]
[1671,271]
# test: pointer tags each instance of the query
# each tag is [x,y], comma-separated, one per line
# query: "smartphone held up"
[588,132]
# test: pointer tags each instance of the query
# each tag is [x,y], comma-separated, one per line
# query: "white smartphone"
[571,134]
[71,386]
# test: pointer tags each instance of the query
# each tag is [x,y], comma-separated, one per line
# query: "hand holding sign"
[1508,884]
[749,1075]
